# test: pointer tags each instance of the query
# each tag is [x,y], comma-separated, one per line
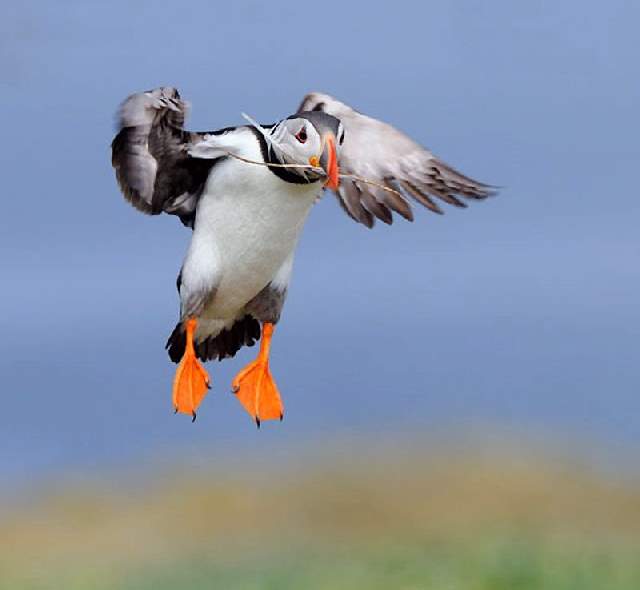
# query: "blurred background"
[461,393]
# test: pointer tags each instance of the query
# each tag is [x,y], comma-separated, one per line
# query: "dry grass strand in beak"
[317,170]
[274,165]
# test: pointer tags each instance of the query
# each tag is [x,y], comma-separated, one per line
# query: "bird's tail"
[223,344]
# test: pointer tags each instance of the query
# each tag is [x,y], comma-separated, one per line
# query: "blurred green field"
[406,520]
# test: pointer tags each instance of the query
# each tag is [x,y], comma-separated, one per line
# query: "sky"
[519,314]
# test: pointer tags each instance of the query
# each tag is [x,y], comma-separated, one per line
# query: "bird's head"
[312,138]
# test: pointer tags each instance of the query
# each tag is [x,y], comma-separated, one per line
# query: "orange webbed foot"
[258,392]
[255,386]
[191,382]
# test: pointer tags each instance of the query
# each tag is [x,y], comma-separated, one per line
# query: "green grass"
[483,564]
[402,522]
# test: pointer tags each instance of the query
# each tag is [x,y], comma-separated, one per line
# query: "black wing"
[149,155]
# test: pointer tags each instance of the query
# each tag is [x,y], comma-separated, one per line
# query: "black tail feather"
[244,332]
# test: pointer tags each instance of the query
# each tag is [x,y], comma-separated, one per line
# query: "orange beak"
[329,162]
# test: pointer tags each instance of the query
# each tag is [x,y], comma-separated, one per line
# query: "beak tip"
[332,184]
[333,177]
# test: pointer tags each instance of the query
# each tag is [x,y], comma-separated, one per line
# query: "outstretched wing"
[150,155]
[378,152]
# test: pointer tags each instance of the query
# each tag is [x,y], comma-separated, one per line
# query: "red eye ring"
[301,136]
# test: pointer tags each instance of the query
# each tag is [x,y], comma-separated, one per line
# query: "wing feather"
[374,205]
[350,196]
[422,198]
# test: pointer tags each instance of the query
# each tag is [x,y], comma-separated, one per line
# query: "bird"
[246,191]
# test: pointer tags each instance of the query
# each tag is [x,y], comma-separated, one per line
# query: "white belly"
[248,222]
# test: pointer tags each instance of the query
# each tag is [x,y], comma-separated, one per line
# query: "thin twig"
[274,165]
[317,171]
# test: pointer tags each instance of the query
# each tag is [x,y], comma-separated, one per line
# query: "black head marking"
[320,120]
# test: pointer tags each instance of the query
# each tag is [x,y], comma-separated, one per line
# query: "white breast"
[247,223]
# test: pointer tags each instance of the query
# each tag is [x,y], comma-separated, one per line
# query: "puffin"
[246,192]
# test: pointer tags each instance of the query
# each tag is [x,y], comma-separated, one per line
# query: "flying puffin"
[246,192]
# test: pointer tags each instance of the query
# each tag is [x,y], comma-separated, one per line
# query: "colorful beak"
[329,162]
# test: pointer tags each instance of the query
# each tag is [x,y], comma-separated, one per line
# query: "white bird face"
[310,138]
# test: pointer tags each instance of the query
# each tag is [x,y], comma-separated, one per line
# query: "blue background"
[519,315]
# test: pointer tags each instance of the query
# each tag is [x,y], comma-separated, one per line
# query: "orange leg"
[255,386]
[191,382]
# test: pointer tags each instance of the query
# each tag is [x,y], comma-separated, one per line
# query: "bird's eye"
[301,136]
[342,138]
